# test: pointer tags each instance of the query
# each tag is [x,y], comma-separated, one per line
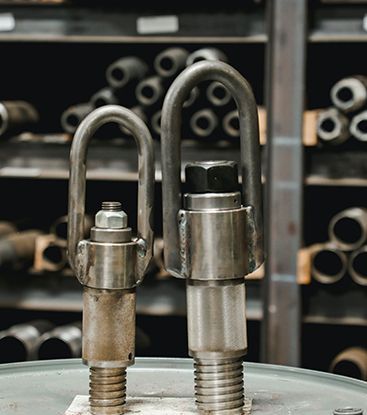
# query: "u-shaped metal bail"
[77,181]
[171,153]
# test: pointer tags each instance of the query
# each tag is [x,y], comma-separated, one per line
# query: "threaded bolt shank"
[219,386]
[107,391]
[111,206]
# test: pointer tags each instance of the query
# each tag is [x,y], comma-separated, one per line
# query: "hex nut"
[111,219]
[212,177]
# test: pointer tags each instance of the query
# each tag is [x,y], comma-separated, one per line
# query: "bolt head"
[111,219]
[212,177]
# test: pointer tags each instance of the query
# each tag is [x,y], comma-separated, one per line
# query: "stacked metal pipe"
[141,87]
[346,251]
[351,362]
[348,115]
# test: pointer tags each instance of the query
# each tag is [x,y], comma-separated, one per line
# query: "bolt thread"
[107,391]
[219,386]
[111,206]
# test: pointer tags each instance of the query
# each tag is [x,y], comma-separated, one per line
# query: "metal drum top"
[48,387]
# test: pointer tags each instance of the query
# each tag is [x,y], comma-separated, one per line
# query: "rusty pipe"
[357,266]
[348,228]
[231,124]
[150,90]
[332,126]
[20,342]
[50,254]
[350,94]
[17,117]
[74,115]
[358,126]
[204,122]
[63,342]
[351,362]
[7,228]
[217,94]
[206,54]
[155,122]
[104,96]
[18,247]
[125,71]
[170,62]
[328,263]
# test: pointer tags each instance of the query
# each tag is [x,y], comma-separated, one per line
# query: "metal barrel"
[20,342]
[104,96]
[332,126]
[62,342]
[348,228]
[18,247]
[357,266]
[126,70]
[17,117]
[59,228]
[204,122]
[170,62]
[150,90]
[74,115]
[351,362]
[231,124]
[328,263]
[7,228]
[155,122]
[350,94]
[206,54]
[358,126]
[217,94]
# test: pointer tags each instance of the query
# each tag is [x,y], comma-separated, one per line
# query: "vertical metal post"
[284,175]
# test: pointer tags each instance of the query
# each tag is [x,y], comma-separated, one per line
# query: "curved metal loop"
[77,182]
[171,152]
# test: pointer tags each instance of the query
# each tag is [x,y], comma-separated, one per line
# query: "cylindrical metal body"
[332,126]
[204,122]
[358,126]
[348,228]
[351,362]
[18,247]
[214,257]
[231,124]
[150,90]
[20,342]
[50,254]
[329,263]
[206,54]
[104,96]
[73,116]
[357,266]
[126,70]
[350,94]
[61,343]
[111,314]
[17,117]
[170,62]
[218,94]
